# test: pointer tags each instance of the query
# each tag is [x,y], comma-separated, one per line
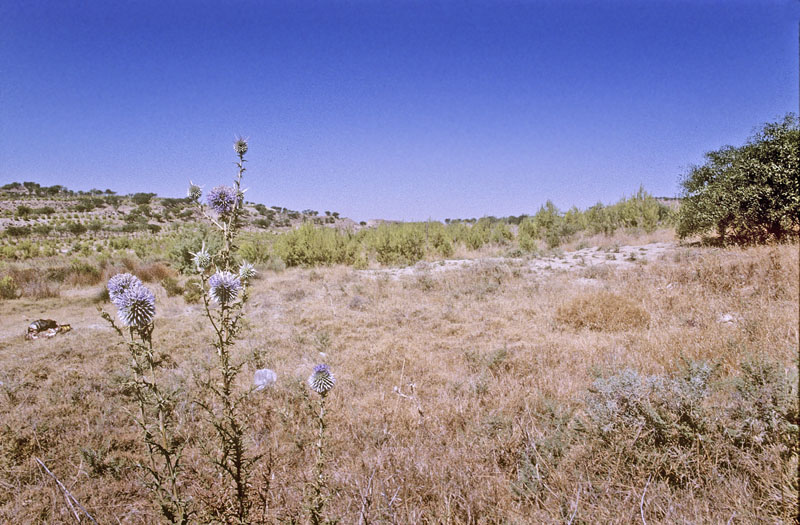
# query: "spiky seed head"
[137,306]
[246,272]
[119,284]
[201,259]
[240,146]
[321,380]
[224,287]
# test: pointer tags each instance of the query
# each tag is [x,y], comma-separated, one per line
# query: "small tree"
[749,194]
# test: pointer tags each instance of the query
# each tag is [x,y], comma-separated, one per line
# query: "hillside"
[29,209]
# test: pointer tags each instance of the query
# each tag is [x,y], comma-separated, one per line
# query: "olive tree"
[747,194]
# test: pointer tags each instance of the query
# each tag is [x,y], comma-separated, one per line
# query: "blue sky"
[399,110]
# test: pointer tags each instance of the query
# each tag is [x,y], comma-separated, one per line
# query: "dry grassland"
[461,396]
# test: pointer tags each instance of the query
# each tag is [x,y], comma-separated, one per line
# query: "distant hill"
[29,209]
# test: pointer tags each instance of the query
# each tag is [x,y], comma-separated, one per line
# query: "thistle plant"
[136,309]
[321,381]
[224,285]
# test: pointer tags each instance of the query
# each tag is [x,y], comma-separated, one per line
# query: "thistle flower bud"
[246,272]
[321,380]
[224,287]
[119,284]
[194,192]
[201,259]
[223,199]
[240,146]
[137,306]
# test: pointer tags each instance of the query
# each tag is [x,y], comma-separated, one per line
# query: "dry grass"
[460,397]
[153,272]
[602,311]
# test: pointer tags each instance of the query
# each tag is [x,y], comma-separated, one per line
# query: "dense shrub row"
[407,243]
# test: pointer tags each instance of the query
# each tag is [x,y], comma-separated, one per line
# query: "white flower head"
[194,192]
[137,306]
[119,284]
[264,378]
[224,287]
[246,272]
[201,259]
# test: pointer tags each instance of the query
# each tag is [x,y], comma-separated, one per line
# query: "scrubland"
[664,391]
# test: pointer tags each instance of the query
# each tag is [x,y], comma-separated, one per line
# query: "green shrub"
[83,273]
[501,234]
[398,243]
[172,286]
[181,247]
[18,231]
[192,291]
[750,193]
[76,228]
[142,198]
[309,246]
[8,288]
[255,251]
[477,235]
[441,241]
[42,229]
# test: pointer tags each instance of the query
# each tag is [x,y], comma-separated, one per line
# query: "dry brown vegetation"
[466,396]
[602,310]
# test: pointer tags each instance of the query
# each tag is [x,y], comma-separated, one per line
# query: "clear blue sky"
[378,109]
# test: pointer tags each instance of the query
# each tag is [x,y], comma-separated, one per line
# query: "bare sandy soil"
[622,257]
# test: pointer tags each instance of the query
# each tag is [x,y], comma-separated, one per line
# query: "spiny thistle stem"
[318,500]
[136,308]
[229,292]
[321,381]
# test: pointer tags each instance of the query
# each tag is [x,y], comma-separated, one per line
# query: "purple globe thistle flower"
[321,380]
[119,284]
[222,199]
[240,146]
[137,306]
[225,287]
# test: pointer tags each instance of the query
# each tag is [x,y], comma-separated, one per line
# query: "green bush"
[76,228]
[254,250]
[478,234]
[501,234]
[18,231]
[172,286]
[749,194]
[181,247]
[42,229]
[309,246]
[142,198]
[193,291]
[441,241]
[398,243]
[8,288]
